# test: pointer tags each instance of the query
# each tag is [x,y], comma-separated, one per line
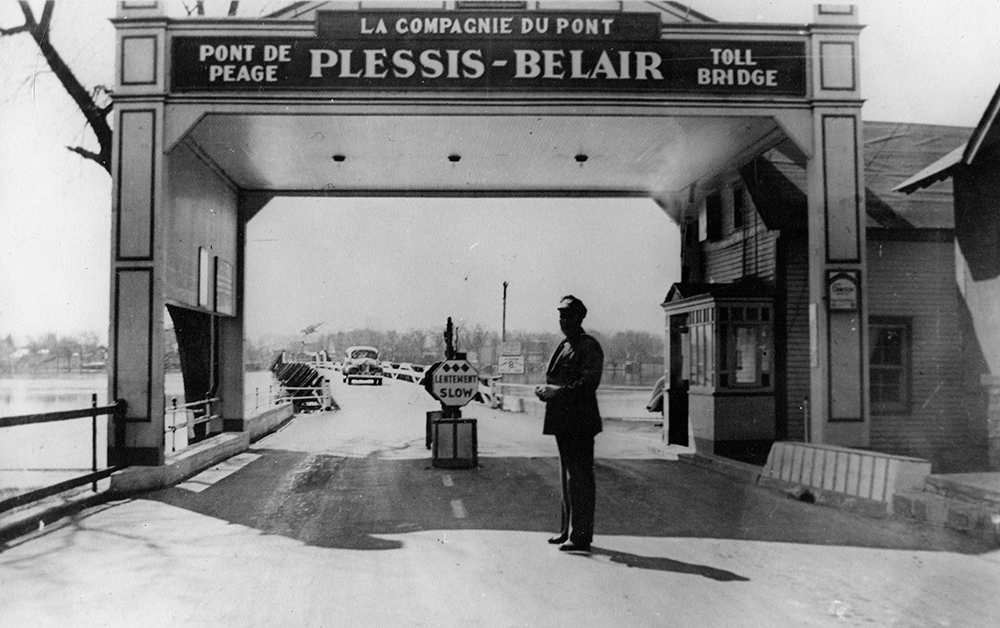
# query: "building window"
[738,203]
[690,233]
[889,365]
[713,217]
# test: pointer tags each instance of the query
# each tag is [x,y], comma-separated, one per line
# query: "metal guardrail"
[117,413]
[201,413]
[294,394]
[269,401]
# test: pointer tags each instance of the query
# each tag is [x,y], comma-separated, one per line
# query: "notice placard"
[511,365]
[843,291]
[225,301]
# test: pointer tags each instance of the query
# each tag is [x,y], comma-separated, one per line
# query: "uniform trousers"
[576,465]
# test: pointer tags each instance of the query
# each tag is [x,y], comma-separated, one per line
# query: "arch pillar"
[136,335]
[838,310]
[177,240]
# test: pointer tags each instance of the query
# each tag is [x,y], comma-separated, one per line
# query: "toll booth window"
[701,339]
[745,347]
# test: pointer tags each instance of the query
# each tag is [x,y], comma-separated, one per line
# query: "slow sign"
[454,382]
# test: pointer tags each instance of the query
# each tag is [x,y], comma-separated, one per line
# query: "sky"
[931,62]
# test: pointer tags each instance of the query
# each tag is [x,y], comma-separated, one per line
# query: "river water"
[38,455]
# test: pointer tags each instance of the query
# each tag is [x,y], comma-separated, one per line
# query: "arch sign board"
[435,50]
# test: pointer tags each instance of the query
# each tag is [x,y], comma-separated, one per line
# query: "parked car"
[362,363]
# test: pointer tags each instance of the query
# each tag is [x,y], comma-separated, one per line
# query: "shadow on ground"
[337,502]
[657,563]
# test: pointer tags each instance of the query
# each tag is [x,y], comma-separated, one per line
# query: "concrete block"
[829,470]
[910,473]
[266,422]
[181,465]
[959,519]
[840,481]
[866,475]
[879,479]
[853,474]
[798,455]
[786,464]
[819,462]
[902,505]
[808,455]
[865,479]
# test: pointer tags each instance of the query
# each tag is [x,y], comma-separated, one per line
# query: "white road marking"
[458,509]
[210,476]
[447,480]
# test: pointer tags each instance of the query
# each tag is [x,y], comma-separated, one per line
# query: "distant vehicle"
[362,363]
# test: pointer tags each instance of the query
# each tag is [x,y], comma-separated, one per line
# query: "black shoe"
[559,540]
[575,547]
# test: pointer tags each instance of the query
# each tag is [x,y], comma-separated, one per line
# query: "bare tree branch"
[23,28]
[95,115]
[87,154]
[46,21]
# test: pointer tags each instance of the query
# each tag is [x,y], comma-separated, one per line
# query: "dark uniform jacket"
[576,367]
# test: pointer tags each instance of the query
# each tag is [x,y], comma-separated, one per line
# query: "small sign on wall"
[843,290]
[225,302]
[204,275]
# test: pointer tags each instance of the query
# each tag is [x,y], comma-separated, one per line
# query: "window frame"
[905,388]
[739,207]
[713,217]
[734,318]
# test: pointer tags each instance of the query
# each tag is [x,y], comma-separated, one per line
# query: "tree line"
[624,351]
[52,353]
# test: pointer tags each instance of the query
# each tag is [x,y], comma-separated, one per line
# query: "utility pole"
[503,329]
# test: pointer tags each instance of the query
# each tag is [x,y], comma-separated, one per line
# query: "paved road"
[340,520]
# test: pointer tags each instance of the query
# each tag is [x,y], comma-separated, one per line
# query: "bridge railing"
[306,396]
[115,412]
[261,399]
[187,422]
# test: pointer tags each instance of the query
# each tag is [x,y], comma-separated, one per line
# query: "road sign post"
[454,383]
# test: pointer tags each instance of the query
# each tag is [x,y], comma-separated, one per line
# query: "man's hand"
[546,392]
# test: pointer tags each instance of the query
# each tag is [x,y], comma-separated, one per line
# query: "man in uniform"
[572,416]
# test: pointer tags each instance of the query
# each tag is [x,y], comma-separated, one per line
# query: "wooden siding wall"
[741,255]
[747,251]
[201,213]
[797,363]
[916,280]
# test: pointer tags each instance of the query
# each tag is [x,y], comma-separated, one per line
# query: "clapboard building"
[738,325]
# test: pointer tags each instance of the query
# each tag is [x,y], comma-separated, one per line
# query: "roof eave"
[987,122]
[937,171]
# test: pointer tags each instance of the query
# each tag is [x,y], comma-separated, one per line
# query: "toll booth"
[721,368]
